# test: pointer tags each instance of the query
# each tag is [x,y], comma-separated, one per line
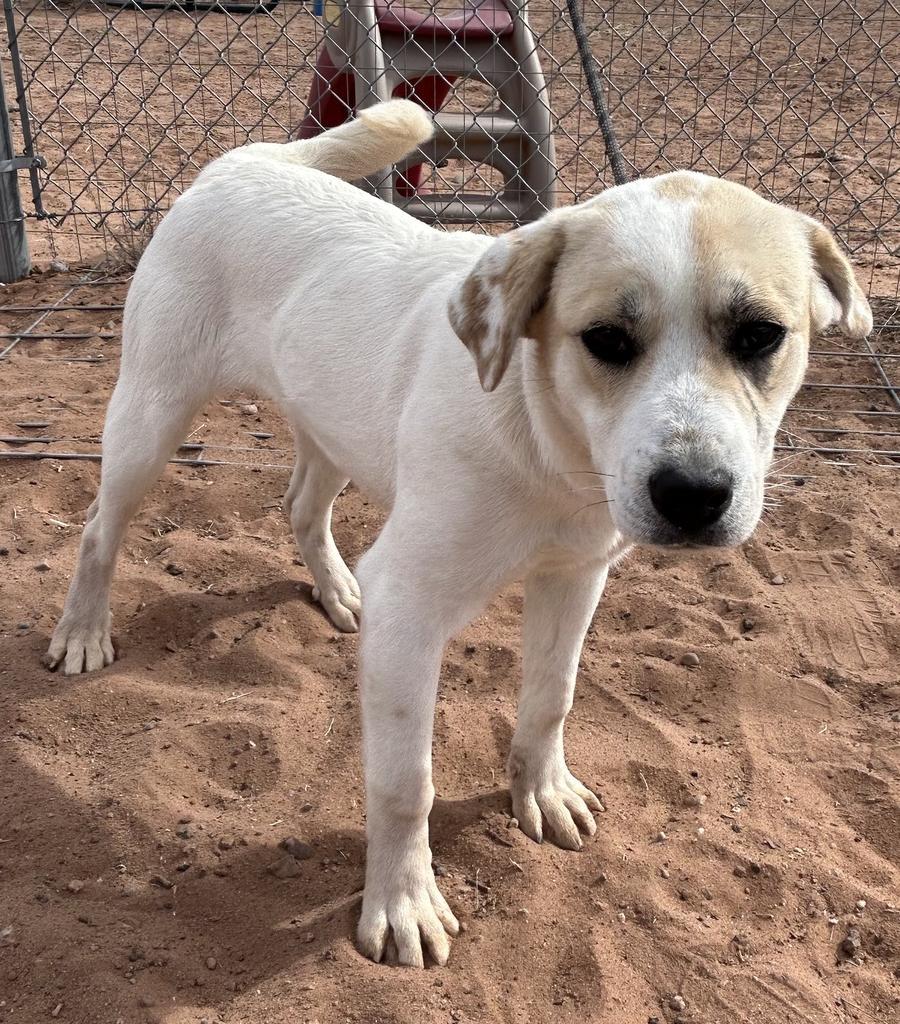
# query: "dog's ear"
[496,304]
[836,297]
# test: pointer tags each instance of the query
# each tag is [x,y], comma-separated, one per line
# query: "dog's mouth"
[694,543]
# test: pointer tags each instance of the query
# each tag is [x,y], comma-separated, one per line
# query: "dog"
[525,407]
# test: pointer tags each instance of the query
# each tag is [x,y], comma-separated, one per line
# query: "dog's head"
[670,322]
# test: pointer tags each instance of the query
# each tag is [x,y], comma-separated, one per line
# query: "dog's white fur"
[270,275]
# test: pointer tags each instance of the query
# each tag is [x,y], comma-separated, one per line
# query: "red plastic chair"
[331,98]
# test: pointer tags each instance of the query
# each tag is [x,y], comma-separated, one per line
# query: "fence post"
[15,260]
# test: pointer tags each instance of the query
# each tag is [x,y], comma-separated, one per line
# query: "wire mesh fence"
[122,103]
[797,98]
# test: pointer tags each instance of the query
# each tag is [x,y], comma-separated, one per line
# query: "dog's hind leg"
[143,427]
[315,483]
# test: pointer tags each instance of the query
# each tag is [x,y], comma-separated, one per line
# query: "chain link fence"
[799,99]
[114,108]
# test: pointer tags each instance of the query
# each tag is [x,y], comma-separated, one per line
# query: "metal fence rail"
[797,98]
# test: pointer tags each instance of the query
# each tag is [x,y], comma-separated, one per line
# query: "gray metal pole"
[15,260]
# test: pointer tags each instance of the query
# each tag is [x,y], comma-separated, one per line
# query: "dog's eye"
[756,338]
[610,344]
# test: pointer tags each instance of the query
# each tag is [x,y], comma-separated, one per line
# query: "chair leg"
[330,98]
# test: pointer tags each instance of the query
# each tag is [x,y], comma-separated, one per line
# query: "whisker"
[586,472]
[584,508]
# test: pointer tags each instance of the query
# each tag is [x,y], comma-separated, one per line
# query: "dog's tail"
[379,137]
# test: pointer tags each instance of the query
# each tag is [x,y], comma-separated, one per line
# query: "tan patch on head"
[742,240]
[680,185]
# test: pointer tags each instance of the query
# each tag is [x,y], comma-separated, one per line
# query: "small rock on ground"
[296,848]
[286,867]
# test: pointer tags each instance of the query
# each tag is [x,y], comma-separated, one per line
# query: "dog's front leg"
[406,621]
[558,610]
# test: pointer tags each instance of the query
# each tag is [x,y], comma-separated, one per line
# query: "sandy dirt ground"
[747,867]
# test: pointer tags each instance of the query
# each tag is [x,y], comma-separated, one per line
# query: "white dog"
[635,356]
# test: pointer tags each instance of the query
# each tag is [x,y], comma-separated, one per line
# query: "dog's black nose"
[690,500]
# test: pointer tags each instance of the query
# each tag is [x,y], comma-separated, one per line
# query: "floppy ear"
[836,297]
[495,305]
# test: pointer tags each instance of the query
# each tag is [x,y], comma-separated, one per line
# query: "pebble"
[664,872]
[55,1012]
[620,917]
[211,963]
[616,664]
[61,267]
[860,904]
[161,881]
[250,409]
[678,1004]
[184,832]
[306,807]
[747,625]
[740,871]
[174,570]
[286,867]
[42,567]
[439,870]
[226,844]
[76,885]
[513,823]
[695,799]
[661,837]
[172,646]
[145,1001]
[296,848]
[852,943]
[777,581]
[690,659]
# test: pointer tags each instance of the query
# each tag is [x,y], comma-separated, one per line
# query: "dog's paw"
[404,920]
[549,794]
[80,648]
[340,599]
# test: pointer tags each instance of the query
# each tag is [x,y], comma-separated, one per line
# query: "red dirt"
[234,705]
